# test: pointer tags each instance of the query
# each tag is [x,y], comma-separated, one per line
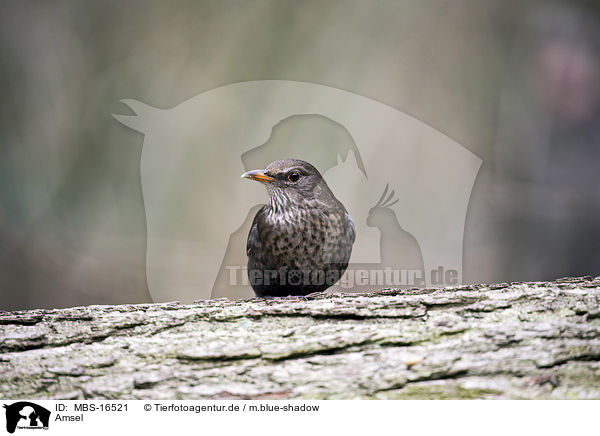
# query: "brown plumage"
[301,241]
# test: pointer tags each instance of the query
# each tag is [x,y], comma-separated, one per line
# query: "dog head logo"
[26,415]
[198,213]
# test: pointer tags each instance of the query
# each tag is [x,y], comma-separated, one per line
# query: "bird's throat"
[280,206]
[282,209]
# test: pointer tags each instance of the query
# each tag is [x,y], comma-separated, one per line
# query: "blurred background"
[517,84]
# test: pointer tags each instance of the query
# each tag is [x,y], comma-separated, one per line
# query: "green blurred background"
[515,83]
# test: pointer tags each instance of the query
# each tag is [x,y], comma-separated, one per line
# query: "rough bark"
[519,340]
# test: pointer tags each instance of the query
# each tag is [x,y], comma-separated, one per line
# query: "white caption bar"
[296,417]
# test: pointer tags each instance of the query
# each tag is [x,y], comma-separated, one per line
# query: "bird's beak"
[258,175]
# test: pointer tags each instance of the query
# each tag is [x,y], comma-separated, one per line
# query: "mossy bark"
[519,340]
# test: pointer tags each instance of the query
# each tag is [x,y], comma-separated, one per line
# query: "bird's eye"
[294,176]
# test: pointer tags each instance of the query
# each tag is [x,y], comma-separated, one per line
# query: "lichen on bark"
[519,340]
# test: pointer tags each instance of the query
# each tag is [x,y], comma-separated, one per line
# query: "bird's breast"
[303,238]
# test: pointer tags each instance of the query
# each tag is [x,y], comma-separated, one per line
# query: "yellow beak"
[258,175]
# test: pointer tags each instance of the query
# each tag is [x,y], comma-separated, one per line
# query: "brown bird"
[301,241]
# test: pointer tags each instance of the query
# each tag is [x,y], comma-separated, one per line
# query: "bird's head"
[382,212]
[292,180]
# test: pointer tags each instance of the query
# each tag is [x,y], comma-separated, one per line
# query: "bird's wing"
[351,229]
[253,242]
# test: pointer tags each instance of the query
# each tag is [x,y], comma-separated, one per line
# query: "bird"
[300,242]
[398,248]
